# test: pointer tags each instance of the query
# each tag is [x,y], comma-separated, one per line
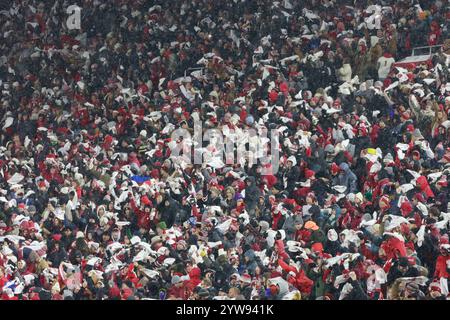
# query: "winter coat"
[143,218]
[251,264]
[252,194]
[289,226]
[384,66]
[302,282]
[345,73]
[442,268]
[347,178]
[357,292]
[292,177]
[394,274]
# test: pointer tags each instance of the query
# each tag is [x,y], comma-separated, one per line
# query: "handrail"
[430,49]
[438,45]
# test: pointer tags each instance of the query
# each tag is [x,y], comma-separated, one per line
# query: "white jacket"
[384,66]
[345,73]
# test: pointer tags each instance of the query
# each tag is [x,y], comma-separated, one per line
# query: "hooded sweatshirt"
[347,178]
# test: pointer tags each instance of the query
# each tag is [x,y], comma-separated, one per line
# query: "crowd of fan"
[94,206]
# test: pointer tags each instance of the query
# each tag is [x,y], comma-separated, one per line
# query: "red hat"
[317,247]
[57,237]
[284,87]
[27,225]
[309,173]
[273,96]
[406,208]
[21,205]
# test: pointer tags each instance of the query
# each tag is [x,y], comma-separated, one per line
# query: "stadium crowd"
[93,205]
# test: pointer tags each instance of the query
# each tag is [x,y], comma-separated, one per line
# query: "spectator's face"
[232,293]
[435,293]
[115,234]
[403,269]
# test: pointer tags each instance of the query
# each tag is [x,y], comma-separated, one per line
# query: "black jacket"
[395,273]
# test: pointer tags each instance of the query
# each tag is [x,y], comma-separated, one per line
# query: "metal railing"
[427,50]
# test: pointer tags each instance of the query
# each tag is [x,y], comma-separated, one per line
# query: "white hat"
[162,251]
[293,160]
[143,133]
[134,240]
[332,235]
[80,234]
[65,190]
[169,261]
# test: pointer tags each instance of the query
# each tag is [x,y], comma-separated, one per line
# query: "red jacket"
[441,267]
[178,292]
[303,235]
[394,248]
[301,282]
[143,217]
[279,244]
[45,172]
